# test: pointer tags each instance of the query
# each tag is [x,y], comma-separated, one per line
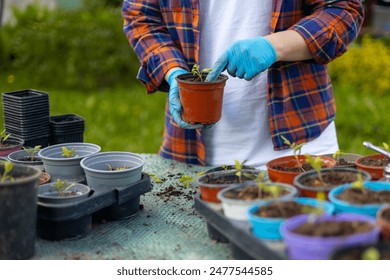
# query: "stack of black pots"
[26,116]
[66,128]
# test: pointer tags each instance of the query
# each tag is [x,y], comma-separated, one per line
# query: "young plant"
[123,167]
[67,153]
[32,152]
[316,164]
[297,151]
[61,186]
[386,146]
[198,73]
[8,166]
[238,166]
[186,180]
[316,212]
[337,156]
[4,136]
[371,253]
[359,183]
[261,183]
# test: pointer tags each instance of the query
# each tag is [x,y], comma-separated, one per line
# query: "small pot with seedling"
[309,237]
[215,180]
[375,164]
[18,210]
[115,170]
[27,156]
[201,100]
[344,159]
[360,197]
[266,217]
[285,169]
[62,191]
[324,179]
[236,200]
[62,161]
[9,144]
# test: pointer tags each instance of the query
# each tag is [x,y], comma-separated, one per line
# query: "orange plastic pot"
[383,223]
[376,172]
[287,177]
[201,101]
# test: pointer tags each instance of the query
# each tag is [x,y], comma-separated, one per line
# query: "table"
[167,228]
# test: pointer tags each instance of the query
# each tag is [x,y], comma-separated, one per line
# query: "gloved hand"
[174,100]
[245,59]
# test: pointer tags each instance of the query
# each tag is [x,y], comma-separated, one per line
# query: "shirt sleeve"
[149,37]
[330,27]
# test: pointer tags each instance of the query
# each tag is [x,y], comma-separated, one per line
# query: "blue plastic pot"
[365,209]
[269,228]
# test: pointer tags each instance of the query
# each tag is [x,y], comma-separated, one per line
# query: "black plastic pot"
[18,205]
[66,128]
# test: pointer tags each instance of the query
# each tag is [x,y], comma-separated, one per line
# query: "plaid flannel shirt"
[165,34]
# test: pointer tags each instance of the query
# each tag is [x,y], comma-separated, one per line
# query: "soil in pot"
[373,164]
[283,209]
[364,196]
[331,179]
[252,193]
[333,228]
[383,219]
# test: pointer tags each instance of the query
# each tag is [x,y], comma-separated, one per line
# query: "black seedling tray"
[242,243]
[74,219]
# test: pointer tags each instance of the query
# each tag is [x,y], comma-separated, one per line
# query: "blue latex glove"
[245,59]
[174,101]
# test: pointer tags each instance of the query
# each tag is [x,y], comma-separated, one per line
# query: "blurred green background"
[80,55]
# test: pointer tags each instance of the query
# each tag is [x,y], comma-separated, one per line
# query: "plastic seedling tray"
[25,94]
[242,243]
[73,219]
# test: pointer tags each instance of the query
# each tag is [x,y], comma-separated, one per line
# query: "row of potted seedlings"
[314,205]
[84,181]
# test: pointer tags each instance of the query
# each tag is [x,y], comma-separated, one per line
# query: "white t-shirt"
[243,131]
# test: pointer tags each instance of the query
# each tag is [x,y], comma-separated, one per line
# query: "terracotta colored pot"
[376,172]
[290,161]
[201,101]
[209,190]
[384,224]
[44,178]
[12,144]
[306,190]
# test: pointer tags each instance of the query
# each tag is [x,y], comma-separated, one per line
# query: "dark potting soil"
[283,209]
[364,196]
[251,193]
[305,166]
[342,162]
[230,179]
[331,179]
[375,162]
[333,228]
[30,158]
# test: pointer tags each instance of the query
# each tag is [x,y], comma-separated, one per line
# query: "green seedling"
[8,166]
[371,253]
[337,156]
[359,183]
[386,147]
[198,73]
[315,212]
[123,167]
[316,164]
[32,152]
[238,166]
[224,167]
[186,180]
[67,153]
[61,186]
[297,151]
[155,178]
[4,136]
[261,182]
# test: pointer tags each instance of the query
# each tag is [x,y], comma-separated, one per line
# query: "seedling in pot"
[4,136]
[239,166]
[337,156]
[297,151]
[66,153]
[123,167]
[8,166]
[61,186]
[198,73]
[316,164]
[359,183]
[32,152]
[315,212]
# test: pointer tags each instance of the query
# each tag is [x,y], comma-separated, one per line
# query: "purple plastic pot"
[301,247]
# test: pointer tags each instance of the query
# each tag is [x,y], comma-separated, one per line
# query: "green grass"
[117,119]
[128,119]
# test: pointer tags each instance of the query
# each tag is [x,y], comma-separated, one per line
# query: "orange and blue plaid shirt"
[165,34]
